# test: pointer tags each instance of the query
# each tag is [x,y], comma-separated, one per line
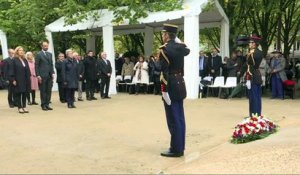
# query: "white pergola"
[190,19]
[3,41]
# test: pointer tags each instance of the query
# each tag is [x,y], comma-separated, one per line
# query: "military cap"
[255,37]
[276,51]
[170,28]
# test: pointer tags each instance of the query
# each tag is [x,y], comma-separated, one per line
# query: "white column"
[148,41]
[4,47]
[91,43]
[191,62]
[108,47]
[51,50]
[224,41]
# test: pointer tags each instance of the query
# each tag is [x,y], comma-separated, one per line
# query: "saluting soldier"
[253,76]
[173,88]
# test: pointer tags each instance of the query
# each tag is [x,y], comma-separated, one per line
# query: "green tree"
[24,20]
[290,25]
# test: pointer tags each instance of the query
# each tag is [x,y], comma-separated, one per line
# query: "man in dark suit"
[45,74]
[105,74]
[6,69]
[203,65]
[91,77]
[215,64]
[173,88]
[81,70]
[61,88]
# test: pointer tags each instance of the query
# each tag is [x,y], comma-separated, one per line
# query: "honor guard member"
[253,76]
[173,88]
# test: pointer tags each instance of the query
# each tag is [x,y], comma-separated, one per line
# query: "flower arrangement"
[253,128]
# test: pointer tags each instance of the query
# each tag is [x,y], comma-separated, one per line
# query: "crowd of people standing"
[27,73]
[276,71]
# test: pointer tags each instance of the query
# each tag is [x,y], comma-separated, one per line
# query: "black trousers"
[157,84]
[104,83]
[21,99]
[11,97]
[32,92]
[45,90]
[70,96]
[138,87]
[61,92]
[90,88]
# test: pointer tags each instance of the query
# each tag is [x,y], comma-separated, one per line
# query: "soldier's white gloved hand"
[248,84]
[166,97]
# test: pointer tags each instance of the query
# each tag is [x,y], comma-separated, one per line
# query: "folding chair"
[231,82]
[119,80]
[218,82]
[123,82]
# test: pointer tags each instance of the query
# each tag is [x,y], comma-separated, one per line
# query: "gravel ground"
[127,133]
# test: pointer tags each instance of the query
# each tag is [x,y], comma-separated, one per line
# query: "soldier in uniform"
[173,88]
[253,76]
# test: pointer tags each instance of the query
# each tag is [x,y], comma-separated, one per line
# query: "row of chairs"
[218,82]
[129,82]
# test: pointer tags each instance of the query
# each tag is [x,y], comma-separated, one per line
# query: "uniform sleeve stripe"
[165,56]
[162,78]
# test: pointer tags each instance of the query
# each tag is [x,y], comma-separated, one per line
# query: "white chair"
[208,78]
[118,83]
[119,78]
[130,84]
[218,83]
[231,82]
[127,77]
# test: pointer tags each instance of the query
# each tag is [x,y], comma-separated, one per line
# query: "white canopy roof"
[191,18]
[3,42]
[154,19]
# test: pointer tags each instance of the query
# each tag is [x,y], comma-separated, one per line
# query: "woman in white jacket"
[141,74]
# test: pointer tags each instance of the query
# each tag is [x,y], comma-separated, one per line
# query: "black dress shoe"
[94,98]
[11,106]
[171,154]
[80,99]
[35,103]
[44,108]
[73,106]
[108,97]
[49,108]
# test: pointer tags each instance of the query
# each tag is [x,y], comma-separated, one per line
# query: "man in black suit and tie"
[45,74]
[215,64]
[203,65]
[91,75]
[105,74]
[6,69]
[59,80]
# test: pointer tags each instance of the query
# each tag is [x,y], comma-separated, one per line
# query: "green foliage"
[24,20]
[76,10]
